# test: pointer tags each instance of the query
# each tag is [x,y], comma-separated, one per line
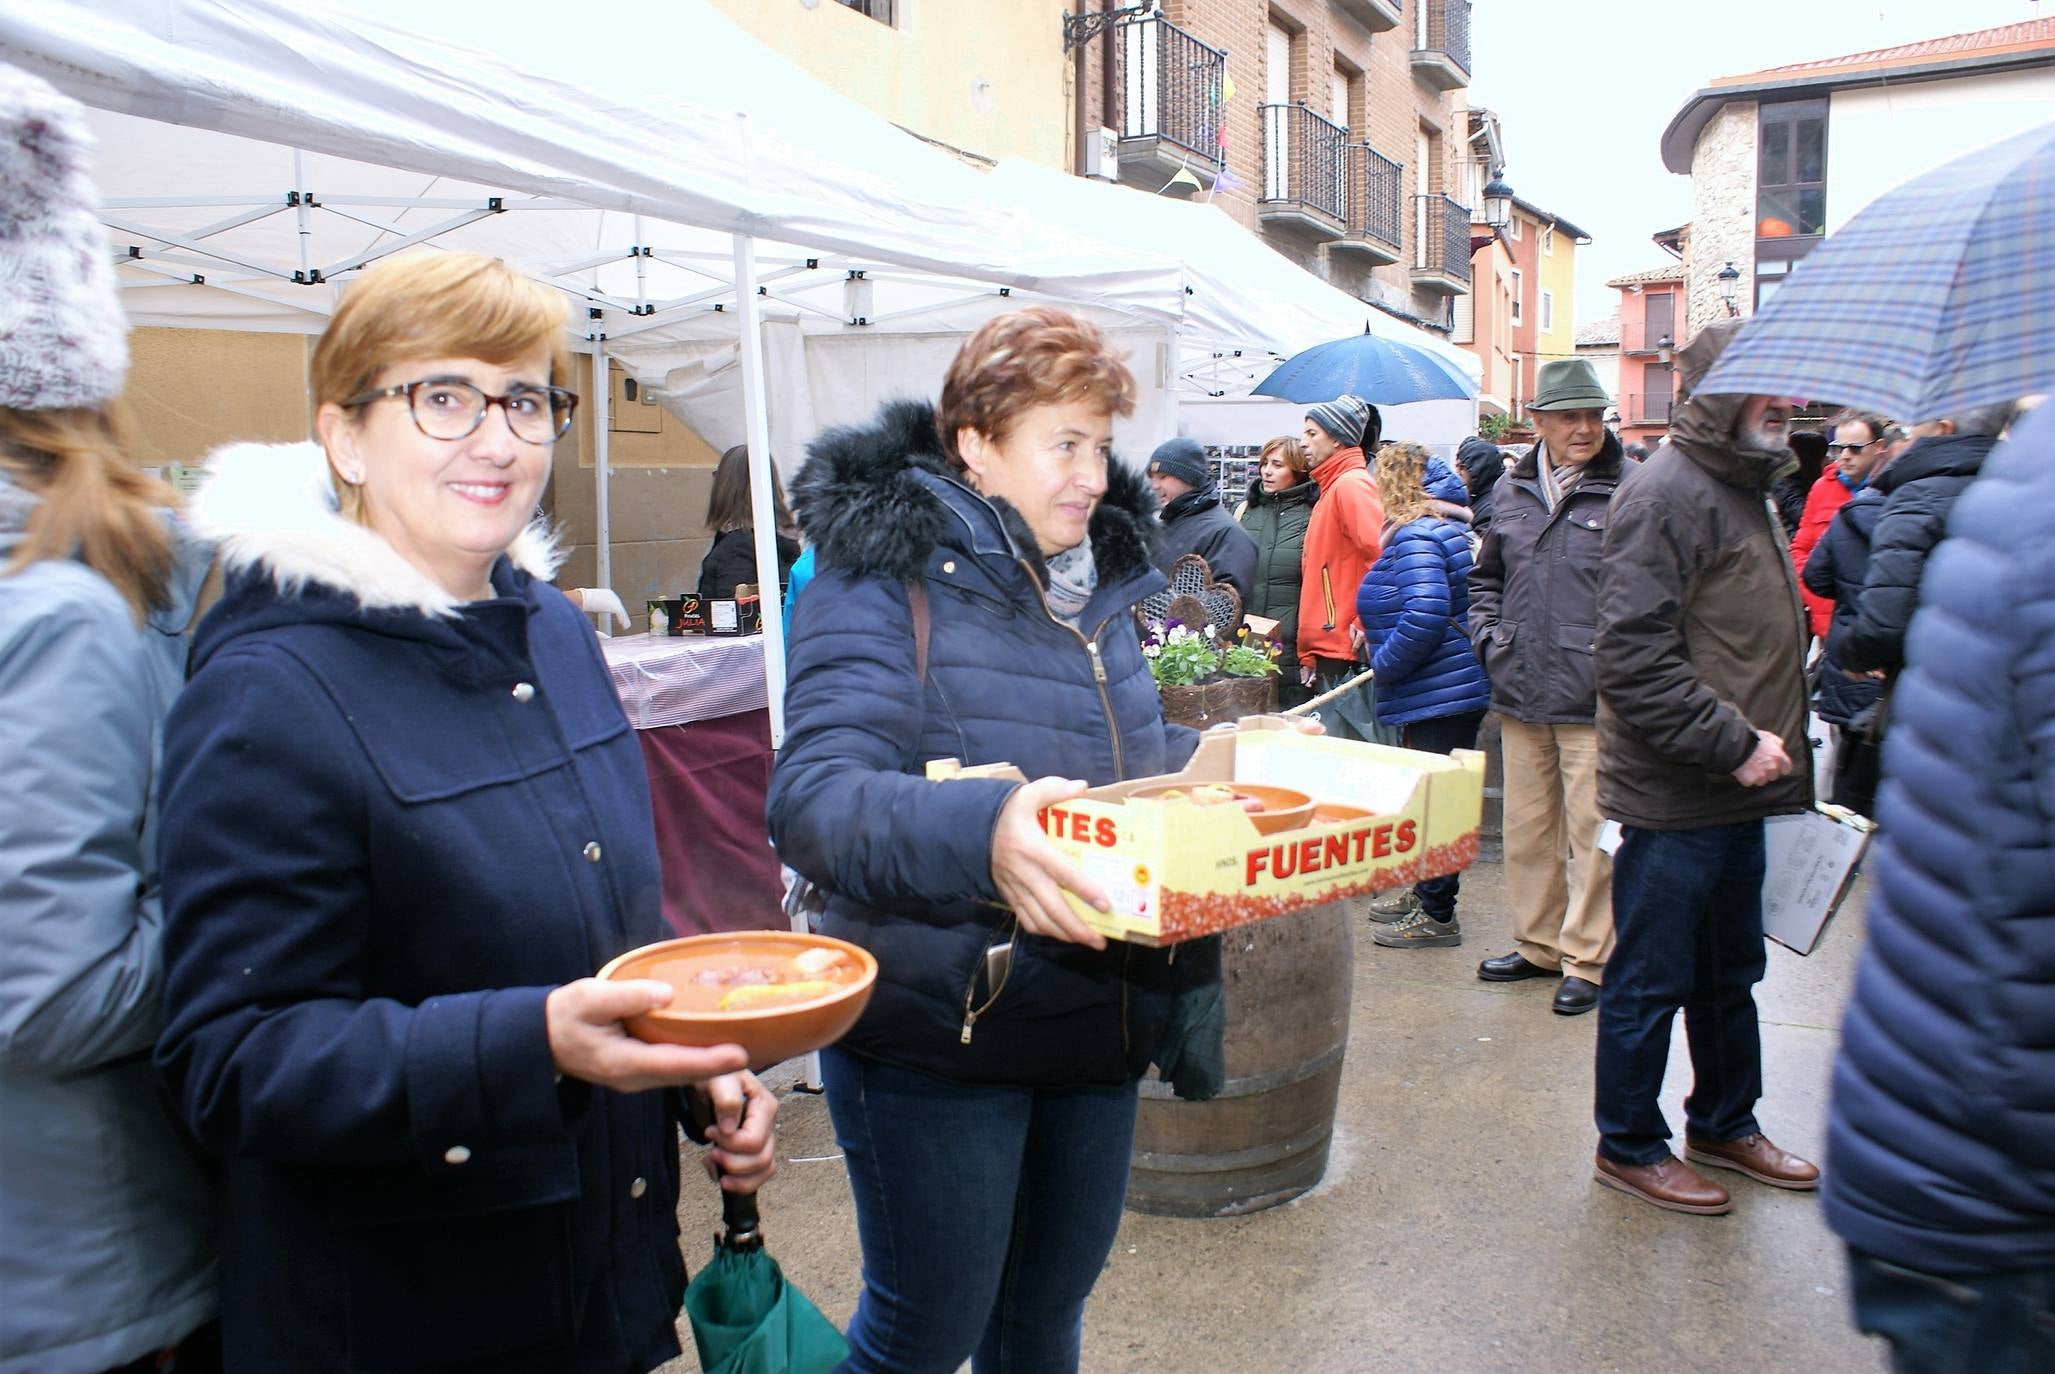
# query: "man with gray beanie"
[1343,538]
[1193,519]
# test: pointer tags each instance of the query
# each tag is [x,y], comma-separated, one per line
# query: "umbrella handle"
[740,1220]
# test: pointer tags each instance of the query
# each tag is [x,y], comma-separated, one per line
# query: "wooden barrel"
[1263,1140]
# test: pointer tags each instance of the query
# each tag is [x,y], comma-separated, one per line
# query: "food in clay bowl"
[777,993]
[1270,809]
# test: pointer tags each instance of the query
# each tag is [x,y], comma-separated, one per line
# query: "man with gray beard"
[1701,736]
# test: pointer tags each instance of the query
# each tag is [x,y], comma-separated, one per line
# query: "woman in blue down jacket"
[404,821]
[1414,605]
[985,1103]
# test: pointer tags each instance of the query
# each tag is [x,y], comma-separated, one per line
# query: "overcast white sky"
[1584,89]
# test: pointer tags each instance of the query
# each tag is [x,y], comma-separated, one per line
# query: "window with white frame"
[880,10]
[1518,291]
[1548,311]
[1514,227]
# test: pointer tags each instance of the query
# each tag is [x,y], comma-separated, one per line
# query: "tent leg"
[763,513]
[604,546]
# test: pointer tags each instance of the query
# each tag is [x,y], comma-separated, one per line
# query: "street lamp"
[1729,278]
[1498,203]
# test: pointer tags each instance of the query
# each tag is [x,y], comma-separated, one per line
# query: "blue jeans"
[1440,736]
[1936,1324]
[1687,916]
[985,1215]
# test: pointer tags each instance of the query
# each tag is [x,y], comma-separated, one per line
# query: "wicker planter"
[1223,699]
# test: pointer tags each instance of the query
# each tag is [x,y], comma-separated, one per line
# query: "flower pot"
[1222,699]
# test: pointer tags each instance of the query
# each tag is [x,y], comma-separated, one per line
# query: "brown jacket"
[1701,635]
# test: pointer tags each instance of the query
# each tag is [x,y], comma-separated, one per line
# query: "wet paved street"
[1458,1228]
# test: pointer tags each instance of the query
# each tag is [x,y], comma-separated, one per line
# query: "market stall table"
[700,711]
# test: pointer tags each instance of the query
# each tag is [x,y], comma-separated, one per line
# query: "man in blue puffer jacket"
[1941,1138]
[1413,605]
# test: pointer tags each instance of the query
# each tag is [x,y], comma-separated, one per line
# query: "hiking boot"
[1396,905]
[1418,931]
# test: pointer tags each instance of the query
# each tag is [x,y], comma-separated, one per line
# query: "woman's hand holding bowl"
[588,1041]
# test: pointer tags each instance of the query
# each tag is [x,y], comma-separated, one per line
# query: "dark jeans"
[1439,736]
[1687,916]
[1980,1323]
[1858,763]
[199,1353]
[985,1215]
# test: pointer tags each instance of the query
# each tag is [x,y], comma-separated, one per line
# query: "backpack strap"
[917,599]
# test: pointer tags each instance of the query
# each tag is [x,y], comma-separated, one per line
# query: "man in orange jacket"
[1342,541]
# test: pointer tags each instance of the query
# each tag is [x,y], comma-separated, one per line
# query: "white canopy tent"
[256,153]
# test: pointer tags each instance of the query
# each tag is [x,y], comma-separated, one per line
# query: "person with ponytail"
[108,1262]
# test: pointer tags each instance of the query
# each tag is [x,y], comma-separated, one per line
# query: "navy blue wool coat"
[390,826]
[1415,606]
[907,862]
[1941,1135]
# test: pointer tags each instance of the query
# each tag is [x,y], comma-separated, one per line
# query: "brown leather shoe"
[1668,1183]
[1755,1156]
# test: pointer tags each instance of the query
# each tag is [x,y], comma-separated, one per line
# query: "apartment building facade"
[1652,318]
[1780,158]
[1333,129]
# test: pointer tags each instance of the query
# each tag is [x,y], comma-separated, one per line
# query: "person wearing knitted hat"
[108,1260]
[1193,519]
[1343,538]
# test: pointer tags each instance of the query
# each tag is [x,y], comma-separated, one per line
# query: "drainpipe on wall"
[1077,101]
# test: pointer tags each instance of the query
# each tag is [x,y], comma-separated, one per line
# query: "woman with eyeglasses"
[404,821]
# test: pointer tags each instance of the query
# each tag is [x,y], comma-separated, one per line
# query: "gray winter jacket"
[1534,591]
[103,1206]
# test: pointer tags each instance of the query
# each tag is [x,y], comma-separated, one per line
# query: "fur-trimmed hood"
[270,507]
[878,499]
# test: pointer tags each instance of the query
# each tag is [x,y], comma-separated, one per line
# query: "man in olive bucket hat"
[1533,606]
[1343,538]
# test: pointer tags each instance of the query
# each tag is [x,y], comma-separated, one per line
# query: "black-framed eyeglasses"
[449,408]
[1836,449]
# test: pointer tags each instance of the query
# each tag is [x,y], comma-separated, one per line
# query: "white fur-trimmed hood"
[271,506]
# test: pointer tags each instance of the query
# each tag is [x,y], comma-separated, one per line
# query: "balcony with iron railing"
[1646,408]
[1305,170]
[1170,103]
[1441,245]
[1378,16]
[1375,225]
[1441,43]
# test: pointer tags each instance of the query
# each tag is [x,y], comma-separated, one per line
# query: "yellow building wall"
[1559,277]
[985,76]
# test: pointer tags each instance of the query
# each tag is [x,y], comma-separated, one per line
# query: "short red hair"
[1026,358]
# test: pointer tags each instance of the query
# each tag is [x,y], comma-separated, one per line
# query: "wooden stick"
[1317,702]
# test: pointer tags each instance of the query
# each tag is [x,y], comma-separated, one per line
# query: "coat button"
[638,1187]
[591,851]
[524,692]
[950,566]
[457,1154]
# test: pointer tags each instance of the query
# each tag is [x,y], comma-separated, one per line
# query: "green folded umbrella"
[746,1319]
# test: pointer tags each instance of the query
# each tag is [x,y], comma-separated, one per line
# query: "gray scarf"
[1073,575]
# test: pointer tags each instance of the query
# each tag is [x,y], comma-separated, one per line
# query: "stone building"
[1780,158]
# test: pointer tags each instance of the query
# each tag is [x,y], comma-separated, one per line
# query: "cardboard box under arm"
[1176,869]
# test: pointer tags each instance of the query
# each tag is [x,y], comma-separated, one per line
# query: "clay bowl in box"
[696,966]
[1280,807]
[1334,813]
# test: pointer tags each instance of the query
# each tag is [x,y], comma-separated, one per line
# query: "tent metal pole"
[603,535]
[300,214]
[763,514]
[762,508]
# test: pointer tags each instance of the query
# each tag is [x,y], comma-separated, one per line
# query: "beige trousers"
[1562,914]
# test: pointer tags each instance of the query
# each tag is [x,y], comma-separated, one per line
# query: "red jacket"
[1342,540]
[1822,503]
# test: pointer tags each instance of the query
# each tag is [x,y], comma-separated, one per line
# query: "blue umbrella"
[1380,370]
[1937,298]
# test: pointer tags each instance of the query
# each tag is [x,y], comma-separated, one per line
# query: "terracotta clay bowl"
[770,1034]
[1282,808]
